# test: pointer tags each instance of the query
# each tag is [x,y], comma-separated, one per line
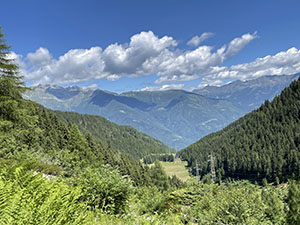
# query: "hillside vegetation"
[263,144]
[123,138]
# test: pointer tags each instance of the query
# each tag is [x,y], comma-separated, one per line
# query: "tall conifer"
[11,83]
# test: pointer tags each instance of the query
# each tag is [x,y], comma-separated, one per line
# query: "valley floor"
[177,168]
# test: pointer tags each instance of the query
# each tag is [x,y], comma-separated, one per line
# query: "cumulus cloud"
[189,65]
[76,65]
[196,40]
[145,54]
[40,57]
[283,63]
[163,87]
[124,60]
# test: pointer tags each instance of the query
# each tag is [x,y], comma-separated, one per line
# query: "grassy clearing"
[176,168]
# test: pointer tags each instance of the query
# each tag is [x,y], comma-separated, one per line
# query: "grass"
[177,168]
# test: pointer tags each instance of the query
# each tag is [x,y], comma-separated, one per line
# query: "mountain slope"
[177,118]
[249,95]
[123,138]
[264,143]
[186,114]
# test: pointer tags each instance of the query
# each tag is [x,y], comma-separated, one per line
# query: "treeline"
[125,139]
[149,159]
[263,144]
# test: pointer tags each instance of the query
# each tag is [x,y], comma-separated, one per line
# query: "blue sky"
[151,45]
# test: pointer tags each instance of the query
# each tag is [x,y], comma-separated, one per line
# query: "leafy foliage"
[231,203]
[104,189]
[31,199]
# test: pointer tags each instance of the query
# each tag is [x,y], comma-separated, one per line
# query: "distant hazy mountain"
[176,117]
[249,95]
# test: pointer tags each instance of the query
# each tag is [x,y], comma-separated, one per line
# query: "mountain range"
[175,117]
[249,94]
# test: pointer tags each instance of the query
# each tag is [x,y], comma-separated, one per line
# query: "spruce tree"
[11,83]
[293,216]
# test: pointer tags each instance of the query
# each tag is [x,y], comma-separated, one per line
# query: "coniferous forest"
[125,139]
[263,144]
[56,169]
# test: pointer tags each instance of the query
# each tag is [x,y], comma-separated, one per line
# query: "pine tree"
[294,204]
[159,176]
[11,83]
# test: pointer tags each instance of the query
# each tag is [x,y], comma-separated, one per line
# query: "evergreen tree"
[294,204]
[11,84]
[159,176]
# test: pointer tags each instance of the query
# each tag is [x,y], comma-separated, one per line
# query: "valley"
[175,117]
[92,167]
[149,112]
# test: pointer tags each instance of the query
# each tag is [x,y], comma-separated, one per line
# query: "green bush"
[231,203]
[104,189]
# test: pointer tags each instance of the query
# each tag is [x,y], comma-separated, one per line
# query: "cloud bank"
[148,54]
[283,63]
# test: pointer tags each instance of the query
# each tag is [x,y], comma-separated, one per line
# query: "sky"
[135,45]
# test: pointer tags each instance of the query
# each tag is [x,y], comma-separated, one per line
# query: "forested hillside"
[31,132]
[123,138]
[264,143]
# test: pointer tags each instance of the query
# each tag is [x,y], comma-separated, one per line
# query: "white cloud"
[211,83]
[189,65]
[128,60]
[237,44]
[163,87]
[196,40]
[40,57]
[144,55]
[286,62]
[77,65]
[92,86]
